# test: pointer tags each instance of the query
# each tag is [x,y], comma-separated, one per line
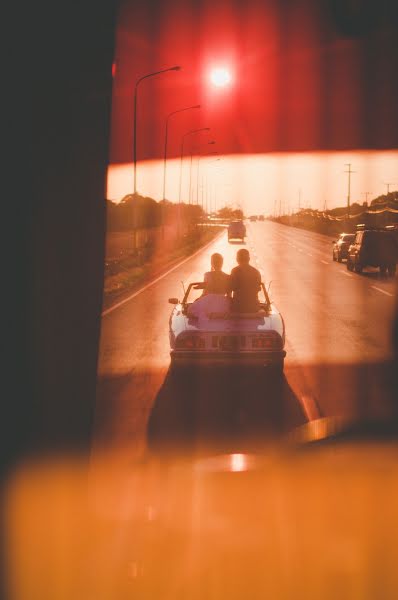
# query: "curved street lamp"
[203,177]
[176,68]
[166,139]
[192,132]
[211,143]
[210,185]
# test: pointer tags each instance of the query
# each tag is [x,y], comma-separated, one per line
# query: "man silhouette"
[245,283]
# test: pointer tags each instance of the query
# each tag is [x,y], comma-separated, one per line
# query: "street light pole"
[211,143]
[176,68]
[213,186]
[203,176]
[193,131]
[166,140]
[190,180]
[166,137]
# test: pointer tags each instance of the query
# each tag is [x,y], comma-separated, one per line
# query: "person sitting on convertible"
[216,281]
[245,283]
[216,289]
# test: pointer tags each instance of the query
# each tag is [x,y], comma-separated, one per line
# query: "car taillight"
[190,342]
[267,341]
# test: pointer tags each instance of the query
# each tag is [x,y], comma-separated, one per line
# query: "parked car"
[236,231]
[393,229]
[340,247]
[227,338]
[373,248]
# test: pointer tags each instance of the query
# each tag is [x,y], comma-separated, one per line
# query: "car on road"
[222,338]
[341,245]
[261,217]
[373,248]
[236,231]
[253,218]
[393,229]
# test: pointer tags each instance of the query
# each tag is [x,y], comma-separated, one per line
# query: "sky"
[302,79]
[263,183]
[306,89]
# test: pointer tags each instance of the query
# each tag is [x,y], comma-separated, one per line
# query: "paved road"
[338,347]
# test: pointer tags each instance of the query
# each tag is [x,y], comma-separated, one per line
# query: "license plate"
[229,342]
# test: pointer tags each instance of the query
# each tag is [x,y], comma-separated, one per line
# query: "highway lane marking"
[382,291]
[325,262]
[345,273]
[151,283]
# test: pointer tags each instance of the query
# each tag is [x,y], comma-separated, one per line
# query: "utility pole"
[366,194]
[388,187]
[349,171]
[190,180]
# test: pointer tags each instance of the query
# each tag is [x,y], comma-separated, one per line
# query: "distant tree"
[137,212]
[384,199]
[224,213]
[229,213]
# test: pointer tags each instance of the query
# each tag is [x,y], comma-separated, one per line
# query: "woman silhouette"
[216,281]
[214,298]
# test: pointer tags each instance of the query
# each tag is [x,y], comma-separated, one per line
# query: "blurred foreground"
[290,521]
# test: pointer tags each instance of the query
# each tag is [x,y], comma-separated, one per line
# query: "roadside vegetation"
[145,237]
[381,211]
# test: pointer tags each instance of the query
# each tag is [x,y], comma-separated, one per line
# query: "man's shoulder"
[254,270]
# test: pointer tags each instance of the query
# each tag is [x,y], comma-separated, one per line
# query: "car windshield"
[194,294]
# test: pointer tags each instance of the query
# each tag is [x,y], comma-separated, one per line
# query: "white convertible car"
[223,337]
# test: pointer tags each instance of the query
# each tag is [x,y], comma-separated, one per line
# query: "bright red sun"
[220,77]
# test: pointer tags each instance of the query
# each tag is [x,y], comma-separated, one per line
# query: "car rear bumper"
[266,359]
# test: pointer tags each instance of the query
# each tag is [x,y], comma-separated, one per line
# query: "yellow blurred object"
[277,524]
